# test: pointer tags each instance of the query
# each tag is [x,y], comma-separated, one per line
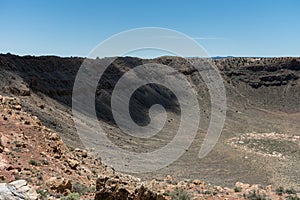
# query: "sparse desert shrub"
[42,193]
[290,191]
[33,162]
[254,195]
[40,177]
[81,189]
[72,196]
[94,171]
[207,192]
[45,162]
[237,189]
[17,149]
[279,191]
[293,198]
[17,177]
[179,194]
[29,180]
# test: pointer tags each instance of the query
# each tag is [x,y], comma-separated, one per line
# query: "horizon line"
[152,57]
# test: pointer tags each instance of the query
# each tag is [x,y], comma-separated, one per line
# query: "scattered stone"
[20,90]
[31,194]
[84,154]
[73,163]
[143,193]
[58,184]
[17,107]
[269,187]
[54,136]
[170,178]
[113,188]
[242,185]
[181,184]
[197,182]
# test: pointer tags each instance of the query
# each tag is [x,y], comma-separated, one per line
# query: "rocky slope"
[36,164]
[32,154]
[263,99]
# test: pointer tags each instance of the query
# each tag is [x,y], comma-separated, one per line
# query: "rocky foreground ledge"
[17,190]
[36,164]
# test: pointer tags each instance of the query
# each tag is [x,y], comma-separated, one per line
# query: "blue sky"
[74,28]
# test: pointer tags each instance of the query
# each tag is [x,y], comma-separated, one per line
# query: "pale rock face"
[18,184]
[5,193]
[17,190]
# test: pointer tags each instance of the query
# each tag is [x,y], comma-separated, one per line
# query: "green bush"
[42,193]
[40,177]
[293,198]
[72,196]
[207,192]
[279,191]
[45,162]
[179,194]
[81,189]
[255,196]
[17,149]
[290,191]
[237,189]
[33,162]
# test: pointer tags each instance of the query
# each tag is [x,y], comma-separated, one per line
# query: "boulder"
[60,185]
[17,190]
[5,193]
[18,184]
[73,163]
[111,188]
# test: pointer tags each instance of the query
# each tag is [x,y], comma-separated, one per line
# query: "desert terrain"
[259,144]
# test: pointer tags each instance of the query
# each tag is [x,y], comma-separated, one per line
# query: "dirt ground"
[262,97]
